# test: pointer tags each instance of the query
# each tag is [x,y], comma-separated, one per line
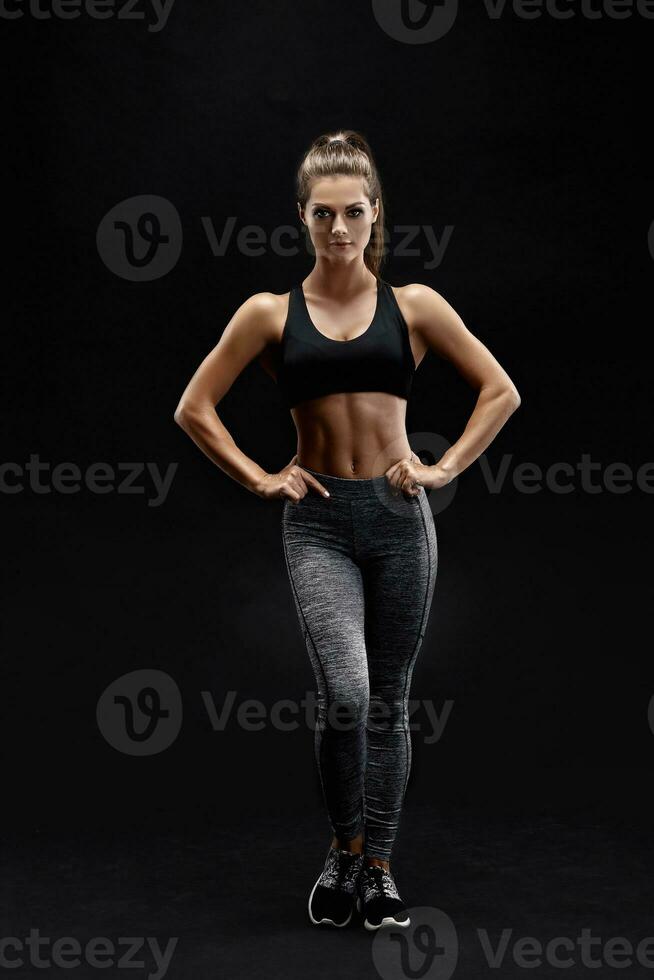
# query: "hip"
[362,516]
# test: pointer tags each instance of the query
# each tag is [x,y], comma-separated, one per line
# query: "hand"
[408,475]
[292,483]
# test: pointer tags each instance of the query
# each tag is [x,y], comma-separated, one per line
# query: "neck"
[329,278]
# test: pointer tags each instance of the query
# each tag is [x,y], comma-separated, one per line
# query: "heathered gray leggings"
[362,565]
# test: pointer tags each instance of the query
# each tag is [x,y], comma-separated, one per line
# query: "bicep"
[243,339]
[444,332]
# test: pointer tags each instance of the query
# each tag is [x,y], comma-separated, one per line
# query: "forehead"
[339,190]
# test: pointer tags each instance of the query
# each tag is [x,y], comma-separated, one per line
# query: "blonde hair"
[347,153]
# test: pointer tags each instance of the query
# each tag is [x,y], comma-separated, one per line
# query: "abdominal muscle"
[356,435]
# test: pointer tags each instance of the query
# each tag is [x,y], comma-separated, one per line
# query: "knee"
[347,707]
[387,714]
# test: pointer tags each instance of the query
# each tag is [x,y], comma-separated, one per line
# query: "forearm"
[210,435]
[492,410]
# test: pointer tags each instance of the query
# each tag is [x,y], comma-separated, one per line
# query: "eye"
[321,212]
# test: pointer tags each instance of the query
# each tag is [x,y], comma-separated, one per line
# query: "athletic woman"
[358,534]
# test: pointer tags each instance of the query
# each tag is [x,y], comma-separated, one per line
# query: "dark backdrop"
[524,138]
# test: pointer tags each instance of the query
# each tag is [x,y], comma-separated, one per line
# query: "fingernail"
[326,493]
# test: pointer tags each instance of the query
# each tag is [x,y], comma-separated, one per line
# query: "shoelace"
[380,877]
[350,867]
[341,870]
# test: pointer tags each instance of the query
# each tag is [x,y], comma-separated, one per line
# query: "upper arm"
[250,330]
[443,331]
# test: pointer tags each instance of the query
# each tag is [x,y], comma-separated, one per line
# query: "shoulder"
[266,312]
[419,303]
[417,294]
[264,304]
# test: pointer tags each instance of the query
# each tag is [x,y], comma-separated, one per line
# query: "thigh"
[328,591]
[399,574]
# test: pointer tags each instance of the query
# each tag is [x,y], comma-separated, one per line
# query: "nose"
[339,228]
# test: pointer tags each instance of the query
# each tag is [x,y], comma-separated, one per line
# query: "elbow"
[510,394]
[181,416]
[506,394]
[190,414]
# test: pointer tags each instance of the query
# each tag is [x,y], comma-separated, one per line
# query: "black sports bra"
[309,364]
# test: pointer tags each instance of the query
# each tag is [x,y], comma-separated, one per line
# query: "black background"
[528,138]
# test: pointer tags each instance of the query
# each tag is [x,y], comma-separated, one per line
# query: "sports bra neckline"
[332,340]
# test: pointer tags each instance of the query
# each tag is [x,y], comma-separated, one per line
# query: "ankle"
[372,862]
[354,846]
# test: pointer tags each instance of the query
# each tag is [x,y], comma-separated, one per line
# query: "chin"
[344,253]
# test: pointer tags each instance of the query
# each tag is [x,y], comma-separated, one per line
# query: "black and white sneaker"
[378,899]
[333,897]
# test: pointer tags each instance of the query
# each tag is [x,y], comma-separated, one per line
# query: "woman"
[358,533]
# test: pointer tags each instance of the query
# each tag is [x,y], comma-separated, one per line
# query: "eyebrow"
[319,204]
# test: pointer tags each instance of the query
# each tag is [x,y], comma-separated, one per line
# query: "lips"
[340,243]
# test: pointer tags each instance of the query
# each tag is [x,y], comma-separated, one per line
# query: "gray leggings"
[362,566]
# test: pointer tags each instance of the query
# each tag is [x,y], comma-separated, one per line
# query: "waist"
[343,484]
[354,486]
